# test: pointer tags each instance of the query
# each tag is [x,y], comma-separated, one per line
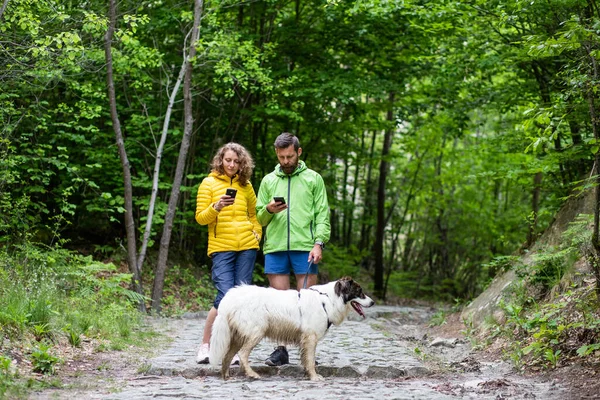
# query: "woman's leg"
[244,267]
[202,357]
[223,273]
[210,320]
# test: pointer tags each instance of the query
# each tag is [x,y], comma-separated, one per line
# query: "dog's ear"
[338,288]
[342,287]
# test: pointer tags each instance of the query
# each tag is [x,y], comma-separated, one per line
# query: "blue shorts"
[231,268]
[282,262]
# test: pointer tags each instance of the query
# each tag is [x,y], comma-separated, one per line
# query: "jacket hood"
[301,168]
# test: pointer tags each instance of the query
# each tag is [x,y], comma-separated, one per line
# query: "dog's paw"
[316,377]
[253,375]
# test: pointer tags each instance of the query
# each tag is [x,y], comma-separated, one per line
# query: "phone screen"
[231,192]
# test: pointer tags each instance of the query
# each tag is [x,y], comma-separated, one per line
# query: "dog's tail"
[219,340]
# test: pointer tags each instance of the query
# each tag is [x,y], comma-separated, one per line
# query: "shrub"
[43,362]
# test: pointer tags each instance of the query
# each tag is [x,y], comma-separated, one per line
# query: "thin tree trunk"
[127,184]
[380,231]
[439,260]
[535,207]
[595,257]
[368,210]
[163,252]
[345,204]
[359,158]
[3,8]
[159,152]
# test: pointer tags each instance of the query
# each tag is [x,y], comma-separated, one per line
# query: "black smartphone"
[231,192]
[279,199]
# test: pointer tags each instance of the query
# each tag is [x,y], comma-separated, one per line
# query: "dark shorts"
[283,262]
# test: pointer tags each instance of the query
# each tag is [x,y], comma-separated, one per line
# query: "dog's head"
[352,293]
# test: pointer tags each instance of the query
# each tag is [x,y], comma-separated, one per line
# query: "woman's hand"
[224,201]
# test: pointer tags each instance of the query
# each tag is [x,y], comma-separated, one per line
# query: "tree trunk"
[4,4]
[159,152]
[163,253]
[595,256]
[358,162]
[380,231]
[345,203]
[365,229]
[127,184]
[535,207]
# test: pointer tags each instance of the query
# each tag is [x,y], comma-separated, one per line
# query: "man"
[297,228]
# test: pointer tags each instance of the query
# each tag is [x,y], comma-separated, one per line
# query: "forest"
[448,133]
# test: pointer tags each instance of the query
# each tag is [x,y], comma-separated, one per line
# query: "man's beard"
[288,170]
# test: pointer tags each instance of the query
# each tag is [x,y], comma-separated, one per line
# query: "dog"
[247,314]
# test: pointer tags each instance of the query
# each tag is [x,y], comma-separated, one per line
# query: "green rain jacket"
[305,221]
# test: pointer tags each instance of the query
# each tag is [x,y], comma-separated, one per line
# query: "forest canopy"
[448,133]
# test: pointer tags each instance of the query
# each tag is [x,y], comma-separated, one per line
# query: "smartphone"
[279,199]
[231,192]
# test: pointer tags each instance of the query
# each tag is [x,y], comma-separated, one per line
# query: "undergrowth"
[52,297]
[551,312]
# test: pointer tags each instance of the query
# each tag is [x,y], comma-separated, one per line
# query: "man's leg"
[310,281]
[301,266]
[279,281]
[277,268]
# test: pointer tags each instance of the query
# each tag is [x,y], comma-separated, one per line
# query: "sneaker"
[235,360]
[278,357]
[203,354]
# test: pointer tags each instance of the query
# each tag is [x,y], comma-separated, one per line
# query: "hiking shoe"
[235,360]
[278,357]
[203,354]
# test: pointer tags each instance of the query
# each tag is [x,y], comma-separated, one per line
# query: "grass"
[51,298]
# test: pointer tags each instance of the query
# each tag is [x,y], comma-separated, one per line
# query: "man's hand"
[316,254]
[276,207]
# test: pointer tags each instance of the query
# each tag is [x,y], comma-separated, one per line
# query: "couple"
[296,228]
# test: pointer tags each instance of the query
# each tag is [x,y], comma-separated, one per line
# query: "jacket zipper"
[288,211]
[217,220]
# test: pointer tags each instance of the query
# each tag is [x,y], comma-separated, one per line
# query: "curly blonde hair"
[246,161]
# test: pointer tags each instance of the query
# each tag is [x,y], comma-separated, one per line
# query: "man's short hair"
[285,140]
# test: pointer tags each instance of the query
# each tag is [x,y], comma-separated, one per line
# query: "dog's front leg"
[308,349]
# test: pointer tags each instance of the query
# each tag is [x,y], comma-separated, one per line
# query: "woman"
[233,230]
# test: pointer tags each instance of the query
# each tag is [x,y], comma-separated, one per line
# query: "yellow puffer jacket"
[235,228]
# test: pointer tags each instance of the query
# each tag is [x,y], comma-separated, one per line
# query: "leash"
[306,275]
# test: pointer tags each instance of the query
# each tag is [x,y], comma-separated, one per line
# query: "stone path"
[359,360]
[353,349]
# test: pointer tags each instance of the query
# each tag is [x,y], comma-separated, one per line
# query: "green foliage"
[46,293]
[43,361]
[73,335]
[438,319]
[186,291]
[547,333]
[339,262]
[480,106]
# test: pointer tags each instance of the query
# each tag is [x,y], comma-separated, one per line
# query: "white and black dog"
[247,314]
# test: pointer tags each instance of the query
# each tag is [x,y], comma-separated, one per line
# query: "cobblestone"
[360,359]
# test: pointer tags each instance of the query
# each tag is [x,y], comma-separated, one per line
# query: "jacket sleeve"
[322,223]
[252,212]
[264,198]
[205,212]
